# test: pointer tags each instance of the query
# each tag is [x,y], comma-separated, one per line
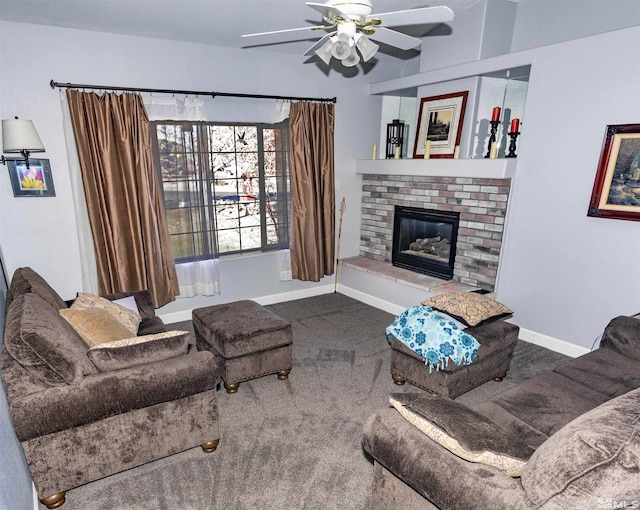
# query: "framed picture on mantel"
[440,123]
[616,190]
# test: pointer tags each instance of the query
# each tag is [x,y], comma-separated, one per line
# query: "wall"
[40,232]
[565,274]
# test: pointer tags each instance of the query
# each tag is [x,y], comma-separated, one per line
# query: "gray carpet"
[292,444]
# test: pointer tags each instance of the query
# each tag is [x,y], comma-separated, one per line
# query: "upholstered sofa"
[572,434]
[84,413]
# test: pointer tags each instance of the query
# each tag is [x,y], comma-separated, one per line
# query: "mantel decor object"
[513,134]
[440,122]
[495,122]
[616,190]
[395,139]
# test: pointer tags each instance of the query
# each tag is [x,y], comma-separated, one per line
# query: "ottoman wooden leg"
[500,377]
[55,501]
[231,388]
[283,374]
[397,379]
[210,446]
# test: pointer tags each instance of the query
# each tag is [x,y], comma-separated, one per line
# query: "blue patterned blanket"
[435,336]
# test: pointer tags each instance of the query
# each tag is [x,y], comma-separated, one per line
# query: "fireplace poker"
[342,208]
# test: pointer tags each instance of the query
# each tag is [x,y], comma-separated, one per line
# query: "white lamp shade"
[352,59]
[341,49]
[367,47]
[19,135]
[324,52]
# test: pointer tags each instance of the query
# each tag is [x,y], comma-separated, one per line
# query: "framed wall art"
[34,181]
[616,190]
[440,122]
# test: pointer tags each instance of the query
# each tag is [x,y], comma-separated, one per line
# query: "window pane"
[251,238]
[228,240]
[247,138]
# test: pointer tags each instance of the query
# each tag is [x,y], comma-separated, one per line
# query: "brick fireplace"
[481,202]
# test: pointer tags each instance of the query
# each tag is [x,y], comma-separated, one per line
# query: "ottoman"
[247,340]
[497,342]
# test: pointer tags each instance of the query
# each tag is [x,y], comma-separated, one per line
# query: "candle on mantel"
[427,149]
[396,153]
[496,114]
[493,153]
[456,152]
[374,151]
[515,124]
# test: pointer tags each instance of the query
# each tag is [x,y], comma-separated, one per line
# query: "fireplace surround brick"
[481,202]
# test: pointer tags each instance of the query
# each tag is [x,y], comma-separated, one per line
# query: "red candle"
[515,124]
[496,113]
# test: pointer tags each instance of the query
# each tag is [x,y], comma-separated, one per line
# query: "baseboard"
[371,300]
[551,343]
[527,335]
[185,315]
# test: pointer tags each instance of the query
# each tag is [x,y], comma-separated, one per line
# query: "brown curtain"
[124,199]
[312,190]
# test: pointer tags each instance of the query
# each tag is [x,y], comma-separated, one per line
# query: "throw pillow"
[130,319]
[595,457]
[128,302]
[434,336]
[139,350]
[95,325]
[462,431]
[469,307]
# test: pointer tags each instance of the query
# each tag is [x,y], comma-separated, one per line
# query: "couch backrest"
[622,335]
[26,280]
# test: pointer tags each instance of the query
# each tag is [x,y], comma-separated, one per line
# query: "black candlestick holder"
[492,138]
[512,145]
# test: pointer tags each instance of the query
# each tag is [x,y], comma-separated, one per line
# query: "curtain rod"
[55,84]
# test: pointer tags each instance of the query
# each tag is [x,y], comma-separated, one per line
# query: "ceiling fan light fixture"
[352,60]
[324,52]
[342,47]
[366,47]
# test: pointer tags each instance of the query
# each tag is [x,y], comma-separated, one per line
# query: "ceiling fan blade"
[395,39]
[422,16]
[329,13]
[281,36]
[317,45]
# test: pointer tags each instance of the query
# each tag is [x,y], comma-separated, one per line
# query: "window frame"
[202,155]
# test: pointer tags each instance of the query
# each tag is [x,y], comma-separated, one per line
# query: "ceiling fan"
[356,26]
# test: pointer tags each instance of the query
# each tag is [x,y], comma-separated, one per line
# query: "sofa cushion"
[95,325]
[462,431]
[26,280]
[603,370]
[130,319]
[139,350]
[470,308]
[44,343]
[596,456]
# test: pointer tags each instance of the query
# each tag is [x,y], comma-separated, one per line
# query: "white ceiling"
[215,22]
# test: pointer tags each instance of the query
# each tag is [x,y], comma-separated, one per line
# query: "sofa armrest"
[622,335]
[106,394]
[446,480]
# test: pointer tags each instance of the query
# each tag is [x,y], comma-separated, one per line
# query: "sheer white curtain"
[85,240]
[282,113]
[201,277]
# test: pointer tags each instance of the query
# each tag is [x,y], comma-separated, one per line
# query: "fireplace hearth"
[424,240]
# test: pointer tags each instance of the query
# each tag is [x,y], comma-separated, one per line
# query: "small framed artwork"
[35,181]
[440,123]
[616,190]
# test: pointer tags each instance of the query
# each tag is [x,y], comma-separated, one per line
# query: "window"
[226,187]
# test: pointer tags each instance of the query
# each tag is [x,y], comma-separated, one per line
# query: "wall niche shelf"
[442,167]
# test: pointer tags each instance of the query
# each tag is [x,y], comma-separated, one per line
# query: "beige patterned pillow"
[468,307]
[95,325]
[139,350]
[130,319]
[489,455]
